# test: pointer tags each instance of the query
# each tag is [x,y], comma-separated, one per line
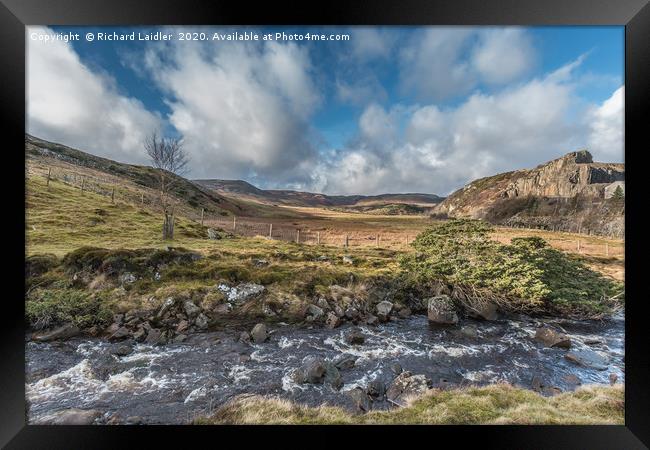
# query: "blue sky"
[392,109]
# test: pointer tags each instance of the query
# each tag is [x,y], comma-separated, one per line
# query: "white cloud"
[440,150]
[607,140]
[439,63]
[503,55]
[243,108]
[69,103]
[370,43]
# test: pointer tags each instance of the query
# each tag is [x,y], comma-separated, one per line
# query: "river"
[175,383]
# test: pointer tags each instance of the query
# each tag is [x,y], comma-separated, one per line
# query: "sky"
[389,110]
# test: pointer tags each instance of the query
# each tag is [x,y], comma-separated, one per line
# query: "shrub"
[525,275]
[45,308]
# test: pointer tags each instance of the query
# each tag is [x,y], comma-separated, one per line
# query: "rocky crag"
[566,194]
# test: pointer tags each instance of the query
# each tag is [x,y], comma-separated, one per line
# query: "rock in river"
[360,399]
[441,310]
[551,338]
[355,337]
[588,358]
[259,333]
[405,385]
[72,416]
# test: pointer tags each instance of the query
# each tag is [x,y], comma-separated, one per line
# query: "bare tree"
[167,155]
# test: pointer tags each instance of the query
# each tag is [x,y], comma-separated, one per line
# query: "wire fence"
[115,190]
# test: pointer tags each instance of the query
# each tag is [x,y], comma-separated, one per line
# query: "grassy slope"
[496,404]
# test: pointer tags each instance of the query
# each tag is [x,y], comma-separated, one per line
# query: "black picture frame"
[16,14]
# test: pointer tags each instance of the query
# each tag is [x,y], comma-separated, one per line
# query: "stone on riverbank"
[441,310]
[551,338]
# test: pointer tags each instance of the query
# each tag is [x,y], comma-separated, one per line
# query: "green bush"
[527,274]
[50,307]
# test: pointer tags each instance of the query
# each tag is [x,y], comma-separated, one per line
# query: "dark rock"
[259,333]
[551,338]
[314,371]
[441,310]
[121,333]
[371,320]
[344,361]
[355,337]
[322,303]
[376,389]
[182,326]
[139,335]
[165,307]
[65,331]
[314,311]
[333,376]
[123,350]
[360,399]
[612,378]
[351,313]
[405,312]
[154,337]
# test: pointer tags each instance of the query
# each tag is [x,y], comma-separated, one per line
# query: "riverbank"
[493,405]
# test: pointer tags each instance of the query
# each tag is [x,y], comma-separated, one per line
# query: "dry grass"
[496,404]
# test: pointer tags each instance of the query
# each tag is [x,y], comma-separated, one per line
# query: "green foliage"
[50,307]
[618,193]
[527,274]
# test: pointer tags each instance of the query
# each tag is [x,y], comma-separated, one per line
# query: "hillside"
[134,182]
[243,189]
[566,194]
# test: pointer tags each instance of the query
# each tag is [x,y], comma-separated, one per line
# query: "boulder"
[65,331]
[551,338]
[371,320]
[201,321]
[241,293]
[127,278]
[332,320]
[154,337]
[339,311]
[588,358]
[613,378]
[352,313]
[214,234]
[72,416]
[360,399]
[139,335]
[182,326]
[376,389]
[384,308]
[120,333]
[259,333]
[123,350]
[314,371]
[405,312]
[191,309]
[344,361]
[441,310]
[348,259]
[482,310]
[406,385]
[165,307]
[333,376]
[355,337]
[322,303]
[396,368]
[314,311]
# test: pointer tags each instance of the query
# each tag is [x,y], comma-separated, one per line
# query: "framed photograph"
[386,213]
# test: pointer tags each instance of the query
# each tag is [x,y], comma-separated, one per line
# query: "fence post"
[347,241]
[606,249]
[142,199]
[234,223]
[318,237]
[202,211]
[83,183]
[297,236]
[49,173]
[113,195]
[578,245]
[377,240]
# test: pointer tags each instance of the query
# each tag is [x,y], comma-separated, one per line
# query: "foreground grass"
[496,404]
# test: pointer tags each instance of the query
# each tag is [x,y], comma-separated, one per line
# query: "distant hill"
[191,196]
[243,189]
[567,193]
